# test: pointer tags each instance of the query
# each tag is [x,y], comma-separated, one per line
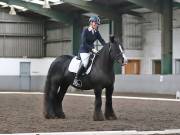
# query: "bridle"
[121,51]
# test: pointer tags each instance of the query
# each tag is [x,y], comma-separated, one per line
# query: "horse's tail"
[47,84]
[48,80]
[58,66]
[47,88]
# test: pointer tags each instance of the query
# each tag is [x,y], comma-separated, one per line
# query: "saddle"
[76,61]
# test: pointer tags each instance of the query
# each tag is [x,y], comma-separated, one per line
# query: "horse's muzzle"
[122,61]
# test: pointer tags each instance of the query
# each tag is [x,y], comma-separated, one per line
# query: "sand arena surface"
[23,113]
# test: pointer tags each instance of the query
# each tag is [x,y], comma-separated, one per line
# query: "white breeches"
[85,58]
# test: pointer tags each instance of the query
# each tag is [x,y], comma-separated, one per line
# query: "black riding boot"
[78,82]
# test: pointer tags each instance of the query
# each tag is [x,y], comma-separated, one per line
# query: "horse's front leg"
[109,111]
[98,115]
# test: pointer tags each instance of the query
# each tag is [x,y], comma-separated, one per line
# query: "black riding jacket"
[87,40]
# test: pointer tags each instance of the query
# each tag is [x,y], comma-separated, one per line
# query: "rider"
[89,35]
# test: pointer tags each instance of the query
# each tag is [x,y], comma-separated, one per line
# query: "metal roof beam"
[154,5]
[133,13]
[55,15]
[129,8]
[176,4]
[95,8]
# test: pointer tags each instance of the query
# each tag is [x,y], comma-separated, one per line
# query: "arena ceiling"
[66,9]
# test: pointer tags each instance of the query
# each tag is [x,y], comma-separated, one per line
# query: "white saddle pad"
[75,63]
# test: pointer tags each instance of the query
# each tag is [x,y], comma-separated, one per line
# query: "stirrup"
[77,82]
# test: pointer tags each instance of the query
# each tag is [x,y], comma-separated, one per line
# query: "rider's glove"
[94,51]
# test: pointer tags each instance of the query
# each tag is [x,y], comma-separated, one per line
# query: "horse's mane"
[102,51]
[105,46]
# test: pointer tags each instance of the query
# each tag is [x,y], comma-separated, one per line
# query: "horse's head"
[117,52]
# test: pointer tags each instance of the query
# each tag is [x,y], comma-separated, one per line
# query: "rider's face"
[94,25]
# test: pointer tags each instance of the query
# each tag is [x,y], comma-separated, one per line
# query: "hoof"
[111,118]
[52,115]
[98,116]
[61,116]
[49,116]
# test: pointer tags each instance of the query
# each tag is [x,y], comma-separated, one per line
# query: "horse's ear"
[111,38]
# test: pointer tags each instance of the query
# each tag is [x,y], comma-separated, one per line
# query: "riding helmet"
[95,19]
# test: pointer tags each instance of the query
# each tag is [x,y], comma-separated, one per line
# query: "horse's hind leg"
[98,115]
[50,97]
[109,112]
[59,98]
[48,110]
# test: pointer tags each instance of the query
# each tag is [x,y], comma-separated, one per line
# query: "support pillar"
[116,29]
[77,29]
[166,37]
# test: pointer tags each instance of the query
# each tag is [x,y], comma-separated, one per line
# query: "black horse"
[101,76]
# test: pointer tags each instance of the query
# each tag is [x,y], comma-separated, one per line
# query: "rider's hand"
[94,51]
